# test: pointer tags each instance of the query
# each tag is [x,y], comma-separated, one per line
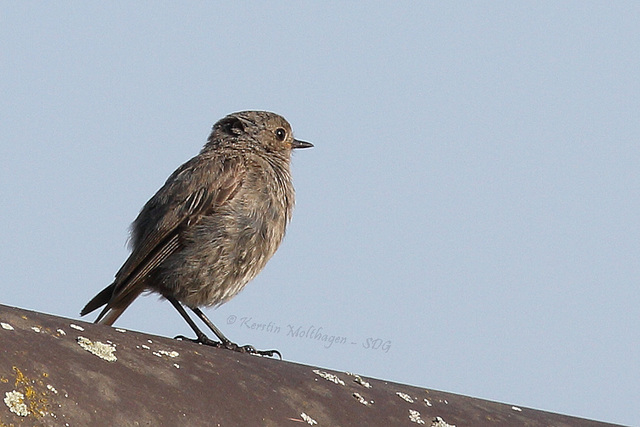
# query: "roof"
[57,371]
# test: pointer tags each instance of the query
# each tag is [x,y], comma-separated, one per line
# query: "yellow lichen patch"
[26,397]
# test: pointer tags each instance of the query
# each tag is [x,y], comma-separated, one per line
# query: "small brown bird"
[214,224]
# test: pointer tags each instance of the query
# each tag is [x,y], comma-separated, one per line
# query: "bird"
[213,225]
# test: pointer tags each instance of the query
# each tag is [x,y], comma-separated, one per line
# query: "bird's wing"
[156,231]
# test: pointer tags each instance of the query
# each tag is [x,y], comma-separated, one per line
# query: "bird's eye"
[281,134]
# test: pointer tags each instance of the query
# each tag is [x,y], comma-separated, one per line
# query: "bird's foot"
[204,340]
[251,350]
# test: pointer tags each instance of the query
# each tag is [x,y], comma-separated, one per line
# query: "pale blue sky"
[473,196]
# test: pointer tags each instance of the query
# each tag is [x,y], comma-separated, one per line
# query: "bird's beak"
[301,144]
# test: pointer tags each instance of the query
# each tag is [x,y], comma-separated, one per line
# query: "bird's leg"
[201,337]
[211,326]
[226,343]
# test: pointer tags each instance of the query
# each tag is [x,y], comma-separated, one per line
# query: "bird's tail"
[115,305]
[99,300]
[109,315]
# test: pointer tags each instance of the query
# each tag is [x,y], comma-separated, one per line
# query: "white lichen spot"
[150,342]
[176,365]
[61,332]
[361,399]
[329,377]
[439,422]
[76,327]
[358,379]
[308,419]
[414,417]
[167,353]
[121,330]
[15,402]
[35,329]
[52,388]
[404,396]
[427,402]
[146,347]
[6,326]
[100,349]
[515,408]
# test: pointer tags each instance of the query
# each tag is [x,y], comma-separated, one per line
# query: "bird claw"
[204,340]
[201,340]
[251,350]
[269,353]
